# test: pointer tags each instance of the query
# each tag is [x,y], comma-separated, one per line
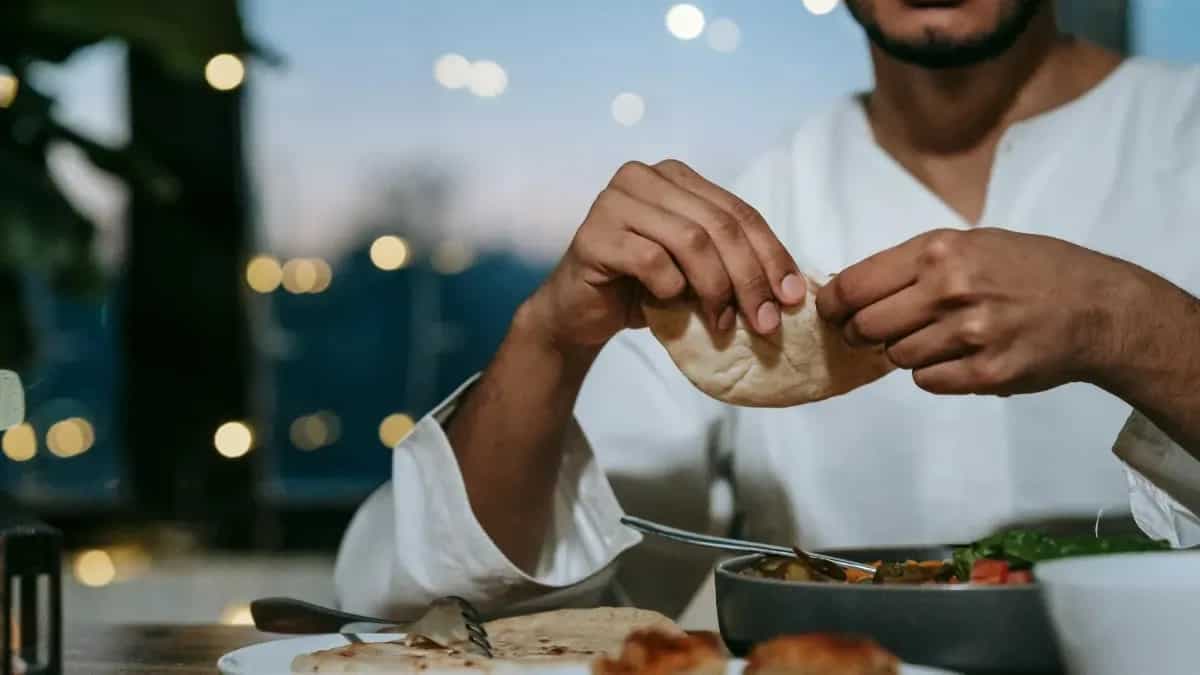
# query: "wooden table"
[141,650]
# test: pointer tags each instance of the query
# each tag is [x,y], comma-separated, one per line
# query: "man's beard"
[938,51]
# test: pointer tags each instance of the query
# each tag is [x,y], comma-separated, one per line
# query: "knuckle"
[695,239]
[940,247]
[629,172]
[974,331]
[724,226]
[671,166]
[651,258]
[745,214]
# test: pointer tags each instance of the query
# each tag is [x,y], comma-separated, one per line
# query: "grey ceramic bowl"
[969,629]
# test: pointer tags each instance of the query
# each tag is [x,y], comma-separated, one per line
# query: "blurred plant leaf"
[182,34]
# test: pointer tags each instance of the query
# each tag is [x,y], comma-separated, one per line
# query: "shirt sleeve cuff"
[441,548]
[1164,482]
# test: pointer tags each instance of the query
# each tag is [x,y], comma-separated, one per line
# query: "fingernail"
[725,322]
[793,288]
[768,317]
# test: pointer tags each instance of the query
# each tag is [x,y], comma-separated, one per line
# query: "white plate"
[275,658]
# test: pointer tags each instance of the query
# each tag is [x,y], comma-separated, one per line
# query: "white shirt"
[1117,171]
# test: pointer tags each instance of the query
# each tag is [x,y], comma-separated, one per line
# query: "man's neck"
[919,111]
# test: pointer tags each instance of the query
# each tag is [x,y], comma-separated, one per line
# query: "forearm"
[1154,362]
[507,436]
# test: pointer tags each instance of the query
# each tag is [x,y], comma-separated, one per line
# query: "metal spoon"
[737,545]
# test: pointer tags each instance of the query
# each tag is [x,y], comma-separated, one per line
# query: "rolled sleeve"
[1164,482]
[417,538]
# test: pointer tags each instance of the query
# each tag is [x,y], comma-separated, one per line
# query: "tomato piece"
[1020,577]
[987,571]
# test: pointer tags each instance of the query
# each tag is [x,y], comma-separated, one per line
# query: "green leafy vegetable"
[1022,548]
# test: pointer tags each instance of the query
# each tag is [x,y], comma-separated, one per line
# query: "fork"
[737,545]
[447,621]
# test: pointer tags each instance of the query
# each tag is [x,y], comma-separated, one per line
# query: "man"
[982,116]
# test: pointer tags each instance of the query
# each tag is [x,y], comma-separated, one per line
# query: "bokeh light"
[324,276]
[628,109]
[299,276]
[389,253]
[452,257]
[264,274]
[94,568]
[233,439]
[315,431]
[9,85]
[237,614]
[20,443]
[820,7]
[394,428]
[224,72]
[685,21]
[487,79]
[452,71]
[724,36]
[70,437]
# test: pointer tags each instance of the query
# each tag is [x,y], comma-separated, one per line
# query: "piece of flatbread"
[805,360]
[559,636]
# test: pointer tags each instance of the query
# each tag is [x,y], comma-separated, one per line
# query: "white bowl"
[1126,614]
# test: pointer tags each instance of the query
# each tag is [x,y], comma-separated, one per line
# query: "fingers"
[869,281]
[978,373]
[892,318]
[621,253]
[709,244]
[687,246]
[929,346]
[787,284]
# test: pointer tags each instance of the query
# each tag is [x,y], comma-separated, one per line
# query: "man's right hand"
[664,229]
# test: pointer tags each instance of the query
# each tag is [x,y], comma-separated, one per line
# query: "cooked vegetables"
[1005,558]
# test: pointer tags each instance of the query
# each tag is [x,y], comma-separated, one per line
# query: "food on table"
[566,635]
[806,360]
[821,654]
[1002,559]
[1022,548]
[653,652]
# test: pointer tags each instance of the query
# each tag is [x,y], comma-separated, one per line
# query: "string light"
[233,439]
[299,276]
[95,568]
[820,7]
[394,428]
[389,253]
[452,71]
[724,35]
[452,257]
[20,443]
[264,274]
[9,85]
[685,21]
[70,437]
[324,275]
[311,432]
[224,72]
[628,109]
[487,79]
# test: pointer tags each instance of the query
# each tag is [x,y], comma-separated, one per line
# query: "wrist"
[1126,309]
[533,330]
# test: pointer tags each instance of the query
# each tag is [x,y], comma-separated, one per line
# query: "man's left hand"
[984,311]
